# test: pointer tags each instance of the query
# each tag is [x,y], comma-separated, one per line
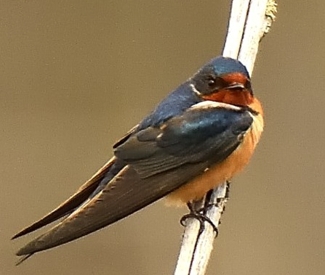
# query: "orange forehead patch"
[235,78]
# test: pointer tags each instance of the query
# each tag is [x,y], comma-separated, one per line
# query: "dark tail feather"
[82,194]
[23,259]
[124,195]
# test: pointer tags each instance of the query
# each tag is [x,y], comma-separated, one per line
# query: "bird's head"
[224,80]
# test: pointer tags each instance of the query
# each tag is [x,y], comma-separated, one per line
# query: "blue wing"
[198,135]
[173,105]
[152,161]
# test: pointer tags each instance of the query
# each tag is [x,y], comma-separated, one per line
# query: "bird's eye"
[215,82]
[211,82]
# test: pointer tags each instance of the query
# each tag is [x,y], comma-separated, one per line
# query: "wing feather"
[198,135]
[152,162]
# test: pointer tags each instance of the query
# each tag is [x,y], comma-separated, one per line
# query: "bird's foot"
[202,218]
[198,211]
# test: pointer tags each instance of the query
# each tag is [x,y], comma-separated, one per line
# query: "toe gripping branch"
[199,209]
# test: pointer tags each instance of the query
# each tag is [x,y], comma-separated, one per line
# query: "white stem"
[254,31]
[236,28]
[247,25]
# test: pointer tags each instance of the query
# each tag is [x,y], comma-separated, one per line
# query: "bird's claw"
[201,218]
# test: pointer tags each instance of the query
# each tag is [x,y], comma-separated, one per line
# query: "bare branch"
[249,21]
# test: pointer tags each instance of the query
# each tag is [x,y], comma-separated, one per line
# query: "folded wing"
[159,159]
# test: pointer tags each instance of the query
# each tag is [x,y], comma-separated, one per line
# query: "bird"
[201,135]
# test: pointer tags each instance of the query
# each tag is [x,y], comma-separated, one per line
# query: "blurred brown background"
[76,75]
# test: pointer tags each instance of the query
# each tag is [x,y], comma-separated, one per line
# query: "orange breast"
[216,175]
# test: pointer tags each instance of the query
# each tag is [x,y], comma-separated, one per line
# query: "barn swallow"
[198,137]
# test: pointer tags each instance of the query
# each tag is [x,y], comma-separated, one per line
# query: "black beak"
[236,86]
